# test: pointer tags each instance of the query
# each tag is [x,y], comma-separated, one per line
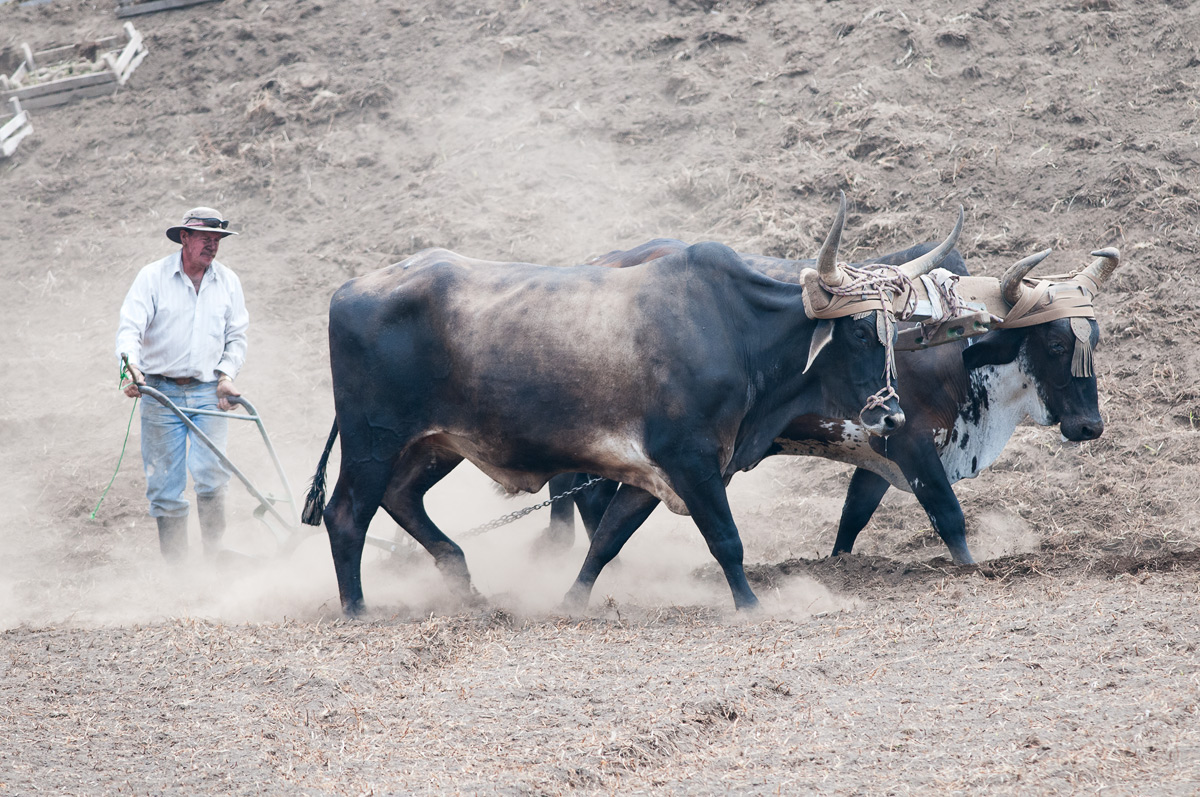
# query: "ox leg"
[925,474]
[560,536]
[355,499]
[628,511]
[593,503]
[416,473]
[862,499]
[708,502]
[946,515]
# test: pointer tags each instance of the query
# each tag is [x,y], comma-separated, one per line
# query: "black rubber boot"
[211,509]
[172,538]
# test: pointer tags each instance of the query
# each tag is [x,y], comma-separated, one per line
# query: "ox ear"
[820,339]
[998,347]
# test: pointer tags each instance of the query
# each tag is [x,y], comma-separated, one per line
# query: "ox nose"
[881,422]
[1082,429]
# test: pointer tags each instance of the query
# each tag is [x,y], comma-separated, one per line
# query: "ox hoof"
[746,602]
[465,596]
[575,602]
[962,557]
[748,608]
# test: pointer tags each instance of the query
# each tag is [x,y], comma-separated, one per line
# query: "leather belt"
[179,380]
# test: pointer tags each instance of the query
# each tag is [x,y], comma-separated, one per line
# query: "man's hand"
[225,389]
[135,378]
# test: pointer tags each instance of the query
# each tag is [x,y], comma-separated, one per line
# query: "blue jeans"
[168,454]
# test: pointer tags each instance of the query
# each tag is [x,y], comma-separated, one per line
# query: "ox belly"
[843,441]
[620,457]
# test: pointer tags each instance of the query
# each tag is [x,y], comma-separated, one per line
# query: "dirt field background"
[341,136]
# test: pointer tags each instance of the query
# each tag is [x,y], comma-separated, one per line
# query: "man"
[183,330]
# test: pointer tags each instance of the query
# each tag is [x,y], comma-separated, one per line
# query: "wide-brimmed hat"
[201,220]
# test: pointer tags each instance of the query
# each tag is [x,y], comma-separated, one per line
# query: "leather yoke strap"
[1045,300]
[861,294]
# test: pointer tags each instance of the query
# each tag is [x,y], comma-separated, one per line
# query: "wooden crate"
[59,75]
[15,129]
[129,8]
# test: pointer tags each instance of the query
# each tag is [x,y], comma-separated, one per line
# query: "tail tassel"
[314,504]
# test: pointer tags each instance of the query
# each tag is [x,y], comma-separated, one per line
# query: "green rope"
[128,426]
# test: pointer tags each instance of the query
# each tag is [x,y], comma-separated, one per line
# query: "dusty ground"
[341,136]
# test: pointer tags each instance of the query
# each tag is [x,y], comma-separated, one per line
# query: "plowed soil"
[342,136]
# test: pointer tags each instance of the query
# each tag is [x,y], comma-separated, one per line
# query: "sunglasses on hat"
[207,222]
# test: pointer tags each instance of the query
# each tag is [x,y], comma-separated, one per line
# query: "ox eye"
[860,333]
[1057,348]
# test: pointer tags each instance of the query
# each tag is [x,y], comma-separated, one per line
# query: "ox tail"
[314,504]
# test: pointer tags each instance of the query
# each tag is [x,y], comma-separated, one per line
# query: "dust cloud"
[665,563]
[108,571]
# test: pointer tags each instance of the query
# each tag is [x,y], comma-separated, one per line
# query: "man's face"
[200,247]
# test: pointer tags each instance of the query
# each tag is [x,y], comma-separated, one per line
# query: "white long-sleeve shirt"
[169,328]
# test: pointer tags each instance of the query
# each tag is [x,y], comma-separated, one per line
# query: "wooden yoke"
[1064,296]
[979,308]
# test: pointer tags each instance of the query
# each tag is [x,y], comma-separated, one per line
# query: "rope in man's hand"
[135,378]
[126,371]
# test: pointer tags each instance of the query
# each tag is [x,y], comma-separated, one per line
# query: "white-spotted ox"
[667,378]
[962,401]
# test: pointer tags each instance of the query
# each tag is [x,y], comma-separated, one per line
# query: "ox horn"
[1010,283]
[931,260]
[827,265]
[1103,266]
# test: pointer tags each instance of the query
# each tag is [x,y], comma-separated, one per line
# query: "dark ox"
[667,378]
[962,401]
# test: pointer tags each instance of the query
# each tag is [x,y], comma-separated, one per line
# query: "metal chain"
[504,520]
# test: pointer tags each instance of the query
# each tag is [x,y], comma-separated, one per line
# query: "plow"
[277,512]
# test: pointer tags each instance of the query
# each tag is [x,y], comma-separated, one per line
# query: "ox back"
[962,402]
[643,376]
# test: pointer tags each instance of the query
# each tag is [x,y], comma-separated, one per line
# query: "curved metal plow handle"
[267,505]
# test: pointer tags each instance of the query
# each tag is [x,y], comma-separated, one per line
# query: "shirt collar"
[176,261]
